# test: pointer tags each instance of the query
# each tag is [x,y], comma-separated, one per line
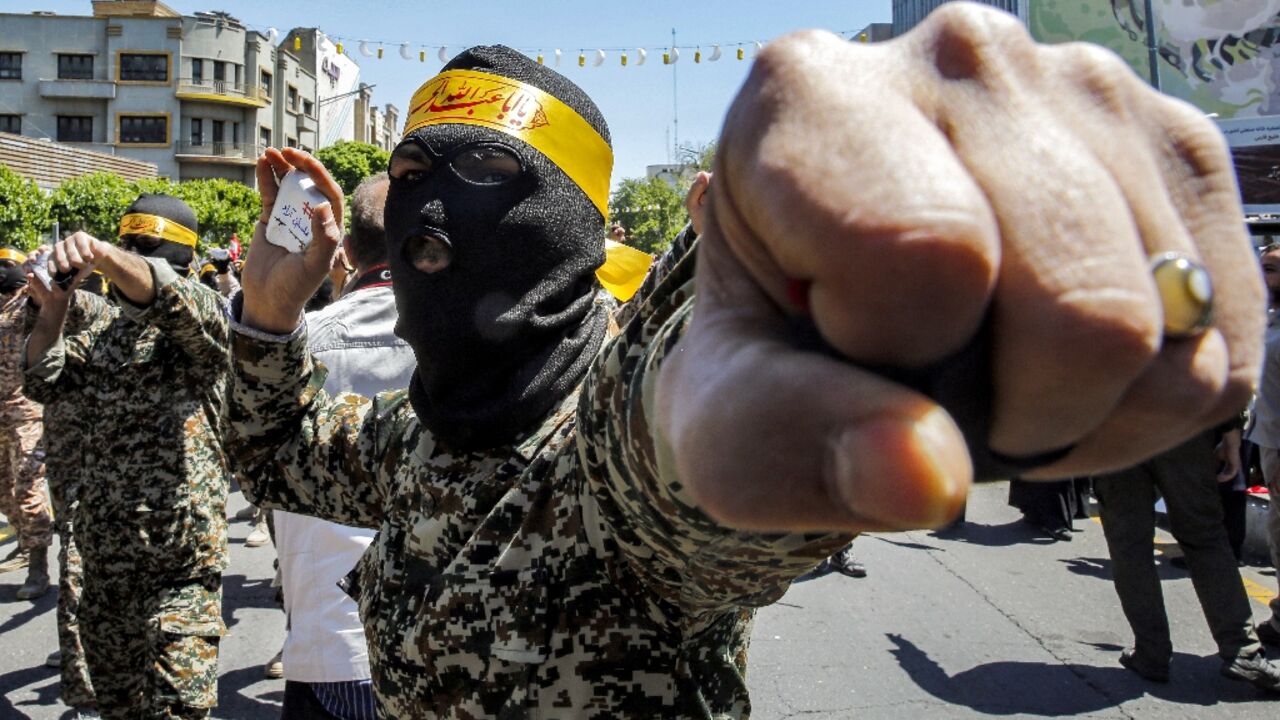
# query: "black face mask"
[12,278]
[510,326]
[178,256]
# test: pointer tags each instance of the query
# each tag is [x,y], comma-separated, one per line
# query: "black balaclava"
[510,326]
[12,278]
[179,255]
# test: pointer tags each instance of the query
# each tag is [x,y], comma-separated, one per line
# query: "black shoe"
[1256,670]
[1060,534]
[1268,633]
[1147,671]
[1178,561]
[848,566]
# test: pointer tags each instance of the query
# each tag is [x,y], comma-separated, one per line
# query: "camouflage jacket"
[143,391]
[64,453]
[15,407]
[569,575]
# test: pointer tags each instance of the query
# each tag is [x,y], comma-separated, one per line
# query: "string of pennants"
[596,57]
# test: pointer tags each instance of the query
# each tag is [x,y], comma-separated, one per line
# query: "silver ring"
[1186,294]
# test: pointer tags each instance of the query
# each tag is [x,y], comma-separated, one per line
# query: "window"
[75,128]
[10,66]
[136,67]
[197,71]
[11,124]
[219,70]
[264,137]
[291,142]
[293,98]
[235,133]
[217,131]
[265,81]
[308,108]
[145,129]
[197,131]
[75,67]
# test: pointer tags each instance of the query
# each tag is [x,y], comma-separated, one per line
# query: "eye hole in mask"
[140,243]
[487,164]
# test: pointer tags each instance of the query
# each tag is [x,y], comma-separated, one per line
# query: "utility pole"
[675,101]
[1153,53]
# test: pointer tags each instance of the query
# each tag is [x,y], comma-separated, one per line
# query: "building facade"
[908,13]
[197,96]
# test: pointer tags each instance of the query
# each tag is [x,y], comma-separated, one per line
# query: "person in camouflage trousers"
[24,495]
[64,459]
[146,380]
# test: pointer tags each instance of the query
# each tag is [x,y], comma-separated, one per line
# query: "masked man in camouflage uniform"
[24,496]
[146,379]
[571,526]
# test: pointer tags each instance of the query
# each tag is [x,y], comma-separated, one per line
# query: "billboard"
[337,77]
[1223,56]
[1255,148]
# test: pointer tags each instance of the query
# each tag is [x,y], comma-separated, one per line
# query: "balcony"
[78,89]
[218,153]
[307,124]
[222,91]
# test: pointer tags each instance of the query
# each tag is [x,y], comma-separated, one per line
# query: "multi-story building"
[375,126]
[198,96]
[908,13]
[337,82]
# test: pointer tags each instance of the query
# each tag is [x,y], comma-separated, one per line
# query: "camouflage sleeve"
[58,370]
[661,269]
[297,448]
[680,553]
[190,314]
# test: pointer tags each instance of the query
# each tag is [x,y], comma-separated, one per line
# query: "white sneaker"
[259,536]
[54,660]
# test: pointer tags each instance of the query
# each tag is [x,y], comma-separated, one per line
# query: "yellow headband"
[156,226]
[623,270]
[208,267]
[467,97]
[11,254]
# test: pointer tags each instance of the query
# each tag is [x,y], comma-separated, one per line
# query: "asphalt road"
[989,621]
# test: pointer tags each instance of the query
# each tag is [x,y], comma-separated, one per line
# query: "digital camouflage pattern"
[569,575]
[63,463]
[144,390]
[24,497]
[165,633]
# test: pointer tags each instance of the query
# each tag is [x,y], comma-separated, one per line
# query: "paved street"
[989,621]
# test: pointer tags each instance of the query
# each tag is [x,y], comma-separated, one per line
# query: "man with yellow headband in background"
[572,526]
[24,494]
[148,377]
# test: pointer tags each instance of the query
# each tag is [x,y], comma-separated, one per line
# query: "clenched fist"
[960,184]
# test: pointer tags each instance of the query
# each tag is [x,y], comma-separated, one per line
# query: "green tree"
[352,162]
[92,203]
[651,211]
[24,211]
[223,208]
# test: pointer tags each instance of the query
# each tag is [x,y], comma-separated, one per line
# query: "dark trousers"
[301,704]
[1185,477]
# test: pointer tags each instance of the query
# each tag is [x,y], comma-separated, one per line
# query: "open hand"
[903,196]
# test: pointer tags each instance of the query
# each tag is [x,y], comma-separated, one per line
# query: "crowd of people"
[538,482]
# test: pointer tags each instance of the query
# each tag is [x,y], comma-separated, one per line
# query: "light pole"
[1153,54]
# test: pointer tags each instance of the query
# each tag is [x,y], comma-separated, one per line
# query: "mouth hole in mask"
[428,253]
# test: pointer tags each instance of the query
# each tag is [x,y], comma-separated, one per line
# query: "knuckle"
[970,41]
[1194,139]
[1107,80]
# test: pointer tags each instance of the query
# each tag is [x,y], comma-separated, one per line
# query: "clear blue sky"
[636,101]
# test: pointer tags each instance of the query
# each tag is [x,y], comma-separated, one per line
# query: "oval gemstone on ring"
[1186,294]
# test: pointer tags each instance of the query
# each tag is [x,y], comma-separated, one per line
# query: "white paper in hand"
[290,223]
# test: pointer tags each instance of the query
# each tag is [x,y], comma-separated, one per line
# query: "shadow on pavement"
[240,592]
[1051,690]
[42,605]
[1012,533]
[46,695]
[235,700]
[1099,568]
